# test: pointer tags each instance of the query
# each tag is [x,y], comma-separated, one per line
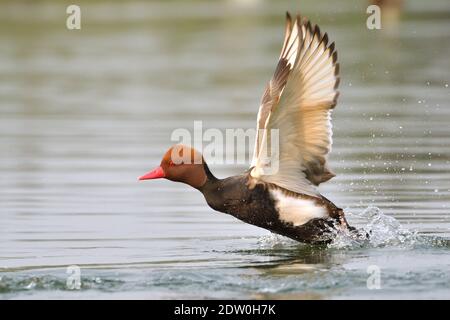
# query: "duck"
[297,102]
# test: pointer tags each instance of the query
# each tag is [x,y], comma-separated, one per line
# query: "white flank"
[297,211]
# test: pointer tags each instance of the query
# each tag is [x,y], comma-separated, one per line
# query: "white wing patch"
[295,210]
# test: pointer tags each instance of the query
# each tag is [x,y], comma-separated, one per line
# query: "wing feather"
[298,101]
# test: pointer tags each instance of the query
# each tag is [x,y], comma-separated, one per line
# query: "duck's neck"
[210,178]
[212,190]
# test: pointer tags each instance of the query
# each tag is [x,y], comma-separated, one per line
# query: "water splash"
[274,240]
[375,230]
[381,230]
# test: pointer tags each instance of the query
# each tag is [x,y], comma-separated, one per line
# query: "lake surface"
[84,113]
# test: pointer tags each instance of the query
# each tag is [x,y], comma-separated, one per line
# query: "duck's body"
[299,217]
[279,191]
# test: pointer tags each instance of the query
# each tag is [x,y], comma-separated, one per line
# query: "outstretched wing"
[298,102]
[276,85]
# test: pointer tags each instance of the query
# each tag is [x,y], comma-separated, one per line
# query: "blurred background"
[84,112]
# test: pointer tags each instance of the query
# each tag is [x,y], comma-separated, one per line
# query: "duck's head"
[182,164]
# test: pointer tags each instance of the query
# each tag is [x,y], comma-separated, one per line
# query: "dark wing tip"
[325,39]
[335,98]
[336,84]
[334,57]
[331,48]
[336,69]
[317,30]
[288,16]
[309,26]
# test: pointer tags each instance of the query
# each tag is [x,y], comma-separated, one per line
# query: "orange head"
[180,163]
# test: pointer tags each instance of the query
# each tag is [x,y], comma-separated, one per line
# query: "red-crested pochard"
[297,101]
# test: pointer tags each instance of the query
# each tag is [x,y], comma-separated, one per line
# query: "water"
[83,113]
